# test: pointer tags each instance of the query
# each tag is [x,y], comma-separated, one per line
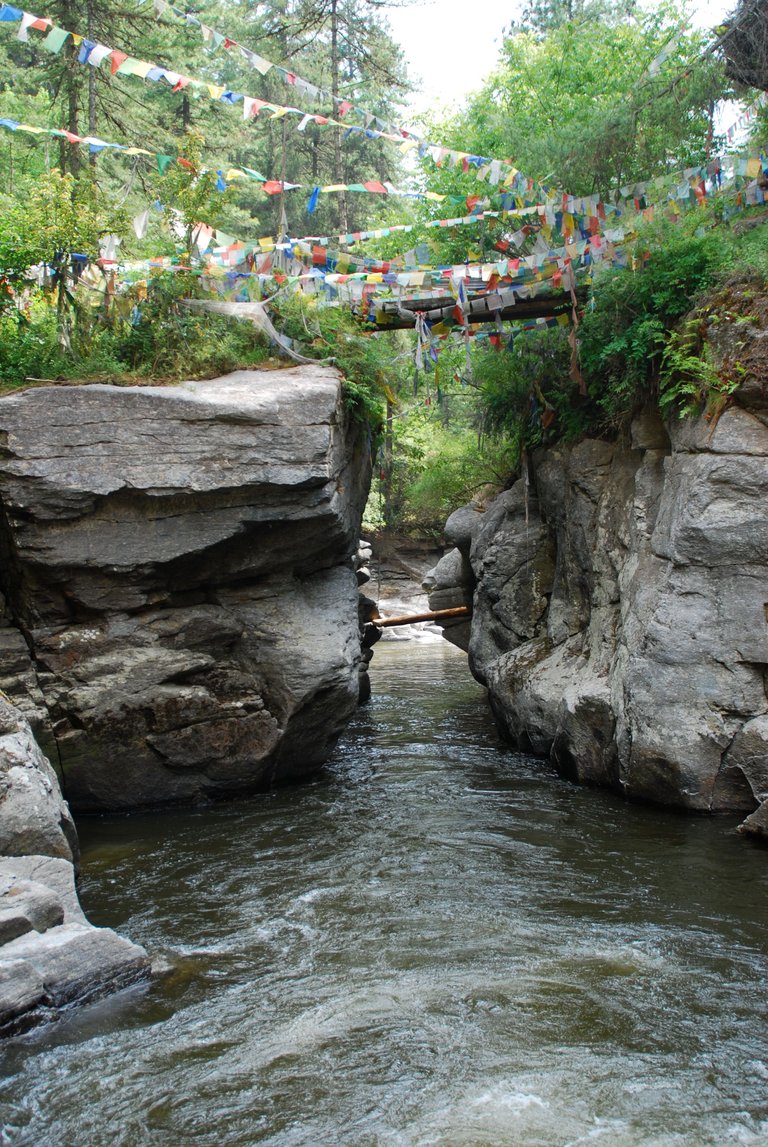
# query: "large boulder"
[179,563]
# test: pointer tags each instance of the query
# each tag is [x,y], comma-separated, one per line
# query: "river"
[438,941]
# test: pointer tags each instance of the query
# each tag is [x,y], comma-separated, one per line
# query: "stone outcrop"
[180,597]
[50,956]
[621,611]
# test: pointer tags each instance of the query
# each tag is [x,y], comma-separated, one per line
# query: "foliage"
[457,468]
[435,468]
[622,338]
[55,216]
[166,343]
[191,191]
[590,106]
[366,361]
[169,341]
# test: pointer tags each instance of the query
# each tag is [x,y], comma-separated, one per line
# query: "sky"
[452,45]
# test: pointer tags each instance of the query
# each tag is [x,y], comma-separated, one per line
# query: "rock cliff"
[179,600]
[620,612]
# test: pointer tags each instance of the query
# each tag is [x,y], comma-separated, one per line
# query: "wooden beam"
[429,615]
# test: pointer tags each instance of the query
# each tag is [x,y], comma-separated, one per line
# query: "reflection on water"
[436,942]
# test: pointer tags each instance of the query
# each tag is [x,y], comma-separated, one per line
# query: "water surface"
[436,942]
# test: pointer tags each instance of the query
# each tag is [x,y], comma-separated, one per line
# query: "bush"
[622,339]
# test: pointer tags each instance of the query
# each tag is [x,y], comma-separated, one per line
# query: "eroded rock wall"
[180,599]
[621,611]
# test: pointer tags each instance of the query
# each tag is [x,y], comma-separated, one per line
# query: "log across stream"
[438,941]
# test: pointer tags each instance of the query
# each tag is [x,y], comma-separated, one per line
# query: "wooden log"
[393,315]
[430,615]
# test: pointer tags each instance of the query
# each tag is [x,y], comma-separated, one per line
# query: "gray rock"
[756,824]
[639,662]
[33,815]
[53,873]
[26,906]
[50,956]
[77,963]
[22,994]
[185,581]
[463,525]
[452,570]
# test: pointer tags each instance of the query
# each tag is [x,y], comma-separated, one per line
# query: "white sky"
[451,45]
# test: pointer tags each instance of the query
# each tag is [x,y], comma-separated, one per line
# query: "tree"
[745,44]
[591,107]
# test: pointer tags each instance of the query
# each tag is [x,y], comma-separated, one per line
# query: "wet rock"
[756,824]
[50,956]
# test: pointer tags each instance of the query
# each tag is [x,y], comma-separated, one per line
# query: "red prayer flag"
[117,59]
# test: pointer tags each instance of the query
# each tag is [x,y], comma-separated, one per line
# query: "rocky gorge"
[620,613]
[178,621]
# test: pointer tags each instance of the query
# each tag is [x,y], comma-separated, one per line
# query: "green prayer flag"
[55,40]
[163,163]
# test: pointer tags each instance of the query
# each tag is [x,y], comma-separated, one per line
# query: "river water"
[436,942]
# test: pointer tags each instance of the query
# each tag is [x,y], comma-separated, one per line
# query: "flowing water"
[436,942]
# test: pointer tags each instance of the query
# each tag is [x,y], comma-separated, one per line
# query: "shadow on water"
[437,941]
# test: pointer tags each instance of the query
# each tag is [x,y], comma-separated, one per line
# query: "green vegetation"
[587,95]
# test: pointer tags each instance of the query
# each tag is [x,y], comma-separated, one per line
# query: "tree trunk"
[338,165]
[388,460]
[91,86]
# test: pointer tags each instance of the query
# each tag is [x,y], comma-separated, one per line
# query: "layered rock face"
[50,956]
[180,601]
[621,610]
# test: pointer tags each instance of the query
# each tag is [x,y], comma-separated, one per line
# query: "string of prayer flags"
[152,72]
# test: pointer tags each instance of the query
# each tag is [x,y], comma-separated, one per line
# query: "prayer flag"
[55,40]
